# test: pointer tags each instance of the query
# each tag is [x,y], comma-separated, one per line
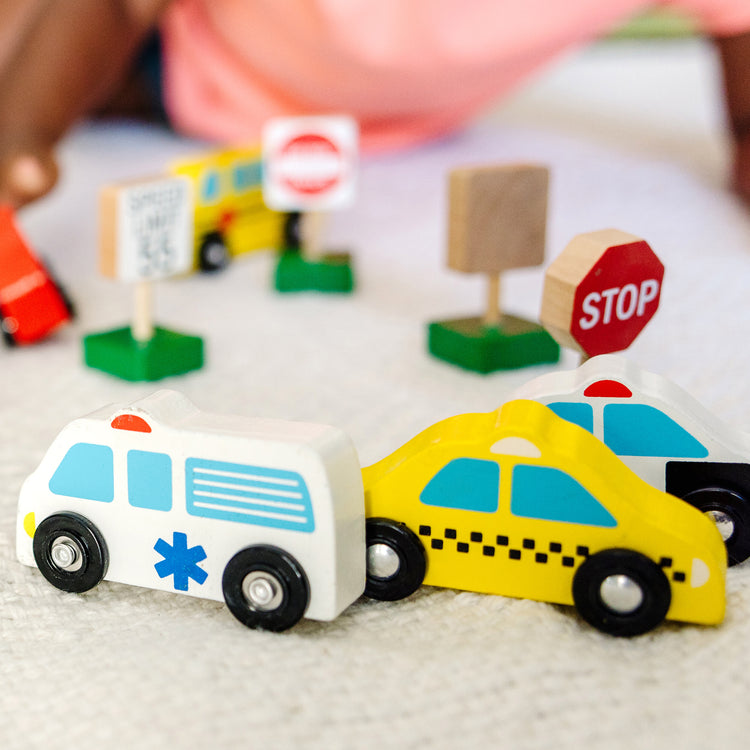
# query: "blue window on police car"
[580,414]
[642,430]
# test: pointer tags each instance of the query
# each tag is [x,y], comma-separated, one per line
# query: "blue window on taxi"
[642,430]
[550,494]
[465,484]
[580,414]
[149,480]
[86,472]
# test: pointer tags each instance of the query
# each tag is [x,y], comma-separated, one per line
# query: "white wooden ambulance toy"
[264,514]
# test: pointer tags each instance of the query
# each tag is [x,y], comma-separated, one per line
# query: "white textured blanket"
[634,140]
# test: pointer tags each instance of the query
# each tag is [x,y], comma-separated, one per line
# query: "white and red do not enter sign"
[309,163]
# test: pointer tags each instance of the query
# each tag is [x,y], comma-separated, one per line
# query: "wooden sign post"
[497,221]
[309,166]
[601,291]
[146,234]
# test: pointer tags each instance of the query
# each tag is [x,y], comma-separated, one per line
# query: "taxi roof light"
[516,446]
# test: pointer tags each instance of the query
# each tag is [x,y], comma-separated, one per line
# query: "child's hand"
[742,168]
[734,53]
[63,61]
[26,176]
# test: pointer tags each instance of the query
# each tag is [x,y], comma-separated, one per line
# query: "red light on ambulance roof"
[130,422]
[608,389]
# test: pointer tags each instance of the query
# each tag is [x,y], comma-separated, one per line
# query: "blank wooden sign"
[497,217]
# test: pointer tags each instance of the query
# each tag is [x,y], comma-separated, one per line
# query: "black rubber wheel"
[213,254]
[621,592]
[396,560]
[62,291]
[70,552]
[292,238]
[731,513]
[8,338]
[265,588]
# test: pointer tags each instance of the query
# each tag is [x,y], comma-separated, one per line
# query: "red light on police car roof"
[608,389]
[130,422]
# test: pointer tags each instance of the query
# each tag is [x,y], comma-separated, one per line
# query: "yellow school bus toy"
[521,503]
[230,215]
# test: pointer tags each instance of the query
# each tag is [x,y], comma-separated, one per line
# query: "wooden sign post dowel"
[143,312]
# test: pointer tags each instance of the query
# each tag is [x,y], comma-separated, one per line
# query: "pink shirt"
[407,70]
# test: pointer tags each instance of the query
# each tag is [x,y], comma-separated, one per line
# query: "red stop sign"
[607,287]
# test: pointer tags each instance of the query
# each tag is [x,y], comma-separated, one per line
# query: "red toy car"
[32,305]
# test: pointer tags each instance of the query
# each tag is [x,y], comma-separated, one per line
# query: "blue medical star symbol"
[180,562]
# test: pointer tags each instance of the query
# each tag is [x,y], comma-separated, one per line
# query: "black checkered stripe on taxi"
[528,549]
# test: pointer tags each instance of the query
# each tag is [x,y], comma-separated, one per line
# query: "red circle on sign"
[616,298]
[310,164]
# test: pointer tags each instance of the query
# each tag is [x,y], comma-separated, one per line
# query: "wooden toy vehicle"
[521,503]
[230,215]
[32,305]
[663,434]
[263,514]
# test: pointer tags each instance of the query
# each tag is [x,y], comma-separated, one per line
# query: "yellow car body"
[227,188]
[516,501]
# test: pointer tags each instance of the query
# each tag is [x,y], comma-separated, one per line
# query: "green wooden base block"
[167,353]
[330,273]
[473,345]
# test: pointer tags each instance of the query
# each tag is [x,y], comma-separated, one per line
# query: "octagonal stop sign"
[601,291]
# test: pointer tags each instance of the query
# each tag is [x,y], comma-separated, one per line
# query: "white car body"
[207,469]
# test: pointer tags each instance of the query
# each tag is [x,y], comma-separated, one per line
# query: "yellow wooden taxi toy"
[521,503]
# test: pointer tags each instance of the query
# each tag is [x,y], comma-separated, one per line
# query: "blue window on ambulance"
[86,472]
[149,480]
[580,414]
[642,430]
[465,484]
[254,495]
[550,494]
[246,175]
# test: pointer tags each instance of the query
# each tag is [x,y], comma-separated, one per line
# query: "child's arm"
[735,57]
[70,57]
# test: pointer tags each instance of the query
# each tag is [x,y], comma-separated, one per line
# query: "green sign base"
[166,353]
[472,344]
[329,273]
